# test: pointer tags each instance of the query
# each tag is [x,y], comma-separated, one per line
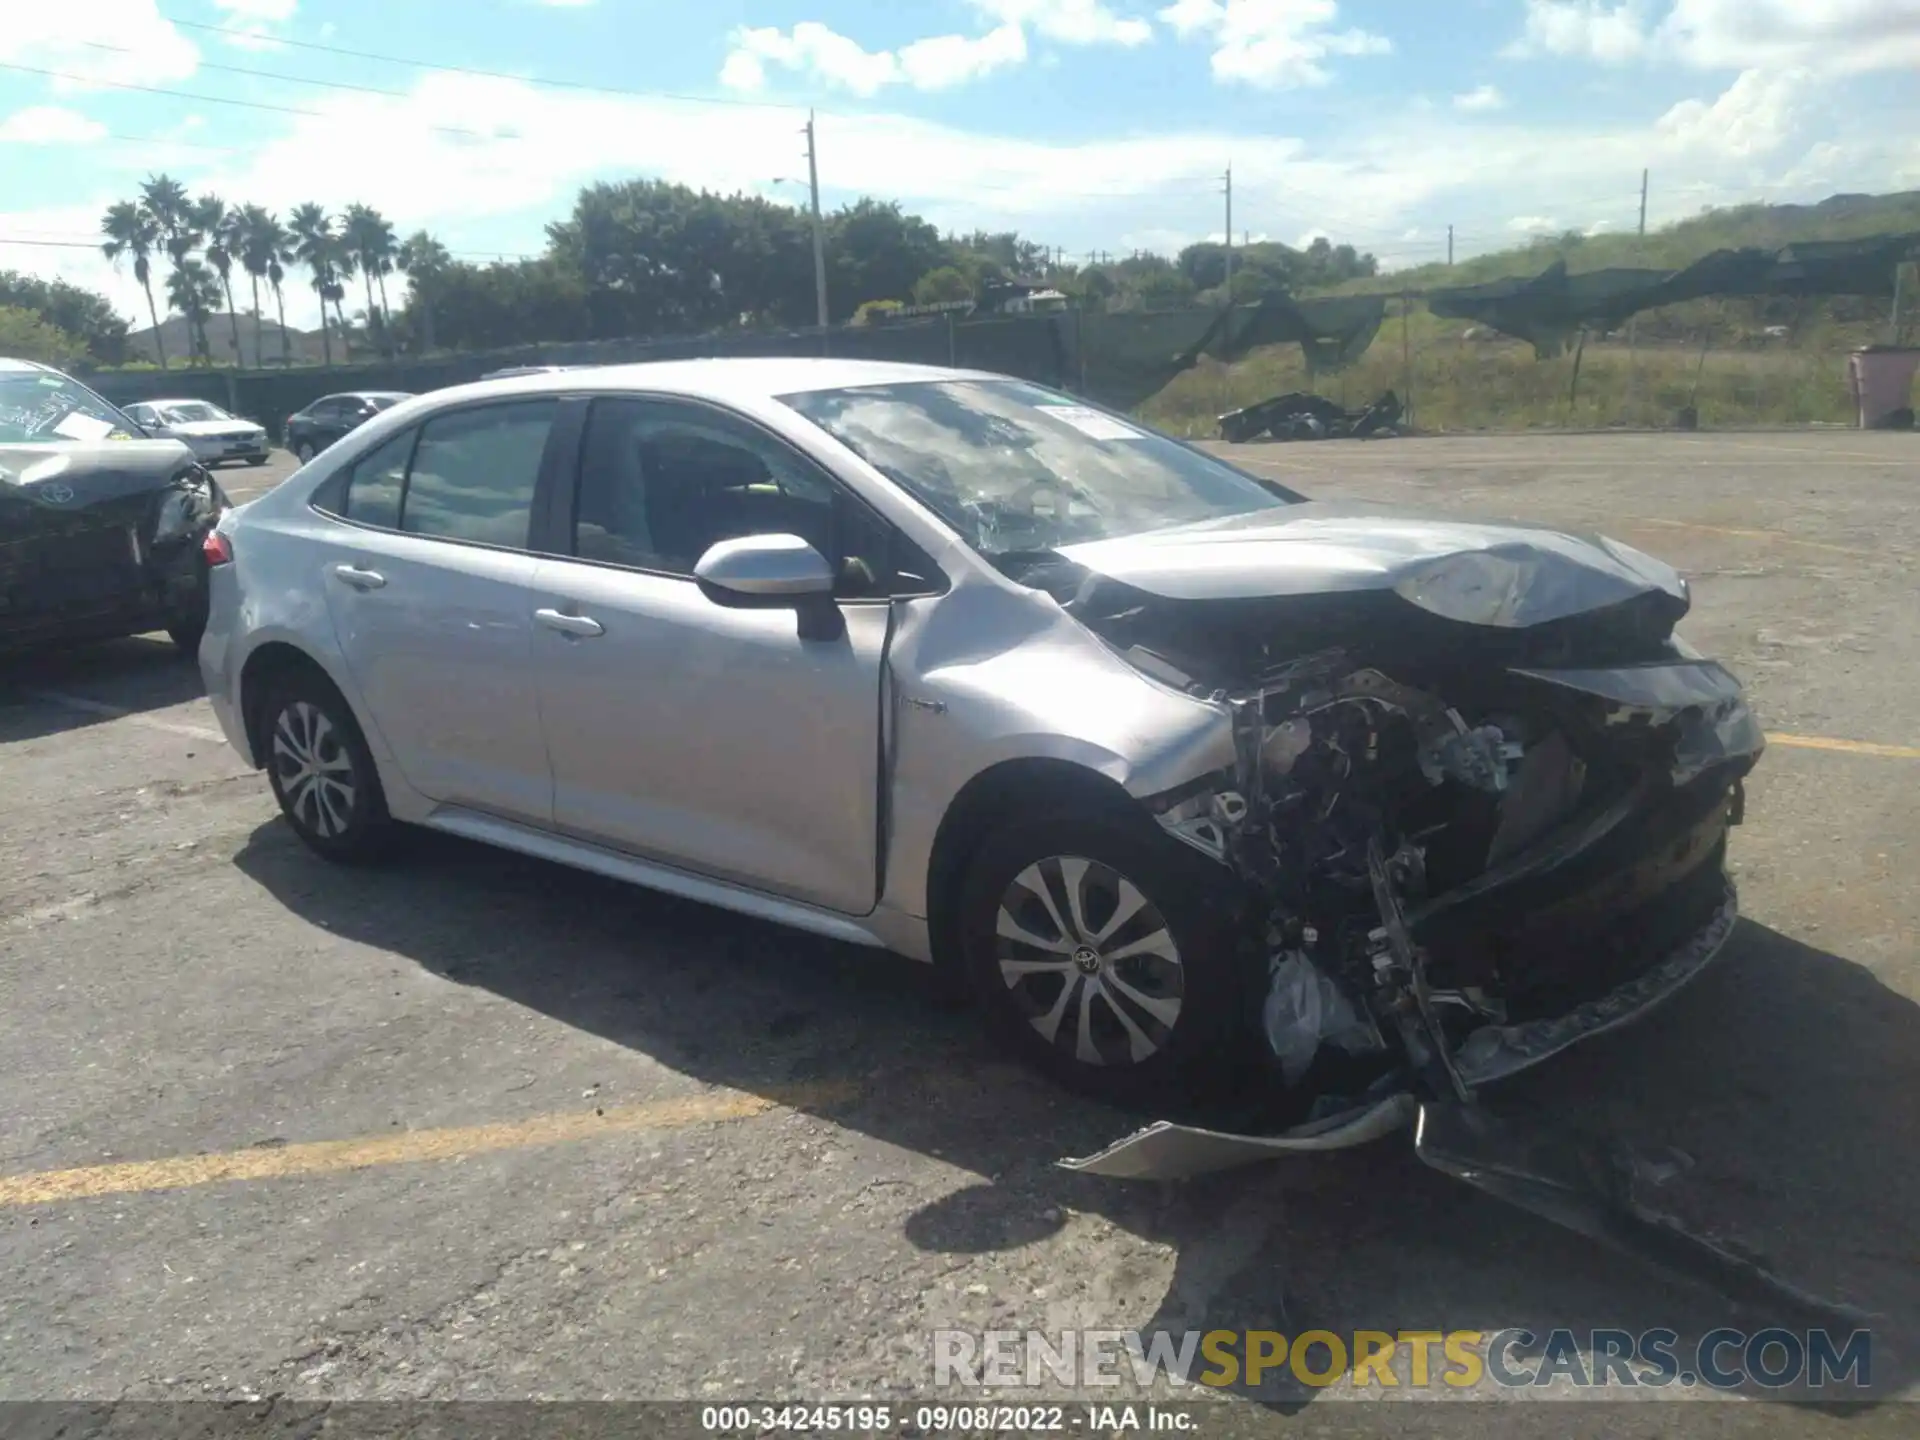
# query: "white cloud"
[1482,98]
[1831,36]
[252,22]
[1070,22]
[1273,44]
[1589,29]
[1370,181]
[97,40]
[1753,116]
[812,49]
[1828,35]
[50,125]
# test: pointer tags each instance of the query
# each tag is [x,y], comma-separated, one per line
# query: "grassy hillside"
[1765,227]
[1727,357]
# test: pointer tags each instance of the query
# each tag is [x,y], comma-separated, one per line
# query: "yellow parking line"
[1850,747]
[408,1147]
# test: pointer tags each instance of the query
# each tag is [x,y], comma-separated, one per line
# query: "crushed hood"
[67,477]
[1501,574]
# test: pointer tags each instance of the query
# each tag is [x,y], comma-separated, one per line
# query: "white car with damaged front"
[1210,794]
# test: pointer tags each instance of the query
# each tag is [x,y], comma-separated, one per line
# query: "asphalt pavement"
[473,1126]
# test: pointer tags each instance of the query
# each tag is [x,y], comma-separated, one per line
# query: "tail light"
[217,548]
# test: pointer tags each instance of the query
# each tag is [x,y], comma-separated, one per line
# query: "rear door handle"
[582,625]
[359,579]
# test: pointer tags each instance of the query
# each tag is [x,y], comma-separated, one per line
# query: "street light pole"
[819,230]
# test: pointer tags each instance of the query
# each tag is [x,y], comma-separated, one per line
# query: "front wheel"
[321,770]
[304,452]
[256,460]
[1108,956]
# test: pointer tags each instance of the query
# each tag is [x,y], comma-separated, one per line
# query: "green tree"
[875,251]
[941,286]
[194,291]
[166,200]
[85,314]
[132,232]
[424,260]
[26,335]
[314,246]
[369,237]
[262,243]
[222,228]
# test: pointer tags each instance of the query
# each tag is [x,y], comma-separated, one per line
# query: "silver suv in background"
[1199,786]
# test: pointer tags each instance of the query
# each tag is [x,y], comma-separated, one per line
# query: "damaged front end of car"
[1481,812]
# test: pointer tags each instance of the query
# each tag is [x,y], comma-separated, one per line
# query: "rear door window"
[474,472]
[376,484]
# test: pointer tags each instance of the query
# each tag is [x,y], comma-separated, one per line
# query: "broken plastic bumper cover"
[1165,1151]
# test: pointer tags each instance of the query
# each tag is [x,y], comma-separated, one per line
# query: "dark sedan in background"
[101,526]
[313,429]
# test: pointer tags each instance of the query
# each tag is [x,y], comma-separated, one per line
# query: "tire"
[308,733]
[256,460]
[1181,1029]
[186,628]
[304,452]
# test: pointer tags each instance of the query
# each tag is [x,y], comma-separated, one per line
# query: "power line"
[486,74]
[265,74]
[228,100]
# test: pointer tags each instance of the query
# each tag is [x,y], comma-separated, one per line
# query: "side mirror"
[763,571]
[773,572]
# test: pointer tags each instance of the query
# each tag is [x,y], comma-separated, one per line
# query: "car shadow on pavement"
[69,687]
[1775,1094]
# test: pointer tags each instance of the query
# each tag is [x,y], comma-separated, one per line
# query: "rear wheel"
[1106,955]
[304,452]
[256,459]
[321,770]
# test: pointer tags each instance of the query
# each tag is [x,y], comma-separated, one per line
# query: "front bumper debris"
[1165,1151]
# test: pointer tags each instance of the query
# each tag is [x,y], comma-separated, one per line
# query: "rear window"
[474,471]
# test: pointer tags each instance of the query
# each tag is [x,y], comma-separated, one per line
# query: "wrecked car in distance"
[101,527]
[1227,805]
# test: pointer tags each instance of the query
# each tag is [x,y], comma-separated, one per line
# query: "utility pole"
[819,230]
[1226,285]
[1449,247]
[1643,204]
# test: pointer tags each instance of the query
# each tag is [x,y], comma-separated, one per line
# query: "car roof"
[7,362]
[730,378]
[179,400]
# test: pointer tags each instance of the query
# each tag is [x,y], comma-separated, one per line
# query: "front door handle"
[582,625]
[359,579]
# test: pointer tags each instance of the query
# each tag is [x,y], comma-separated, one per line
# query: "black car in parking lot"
[313,429]
[102,528]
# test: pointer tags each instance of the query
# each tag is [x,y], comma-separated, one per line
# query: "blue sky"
[1088,124]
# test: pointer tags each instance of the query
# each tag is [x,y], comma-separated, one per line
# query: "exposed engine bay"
[1469,846]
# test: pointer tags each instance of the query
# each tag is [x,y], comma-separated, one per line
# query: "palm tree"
[194,290]
[132,231]
[165,199]
[343,264]
[369,236]
[223,229]
[245,244]
[313,247]
[425,260]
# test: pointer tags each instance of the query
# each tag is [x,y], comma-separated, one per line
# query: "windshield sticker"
[1091,423]
[83,427]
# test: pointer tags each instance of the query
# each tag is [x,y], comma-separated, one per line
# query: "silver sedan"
[1203,789]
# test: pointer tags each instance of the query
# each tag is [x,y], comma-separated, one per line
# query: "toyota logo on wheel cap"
[57,493]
